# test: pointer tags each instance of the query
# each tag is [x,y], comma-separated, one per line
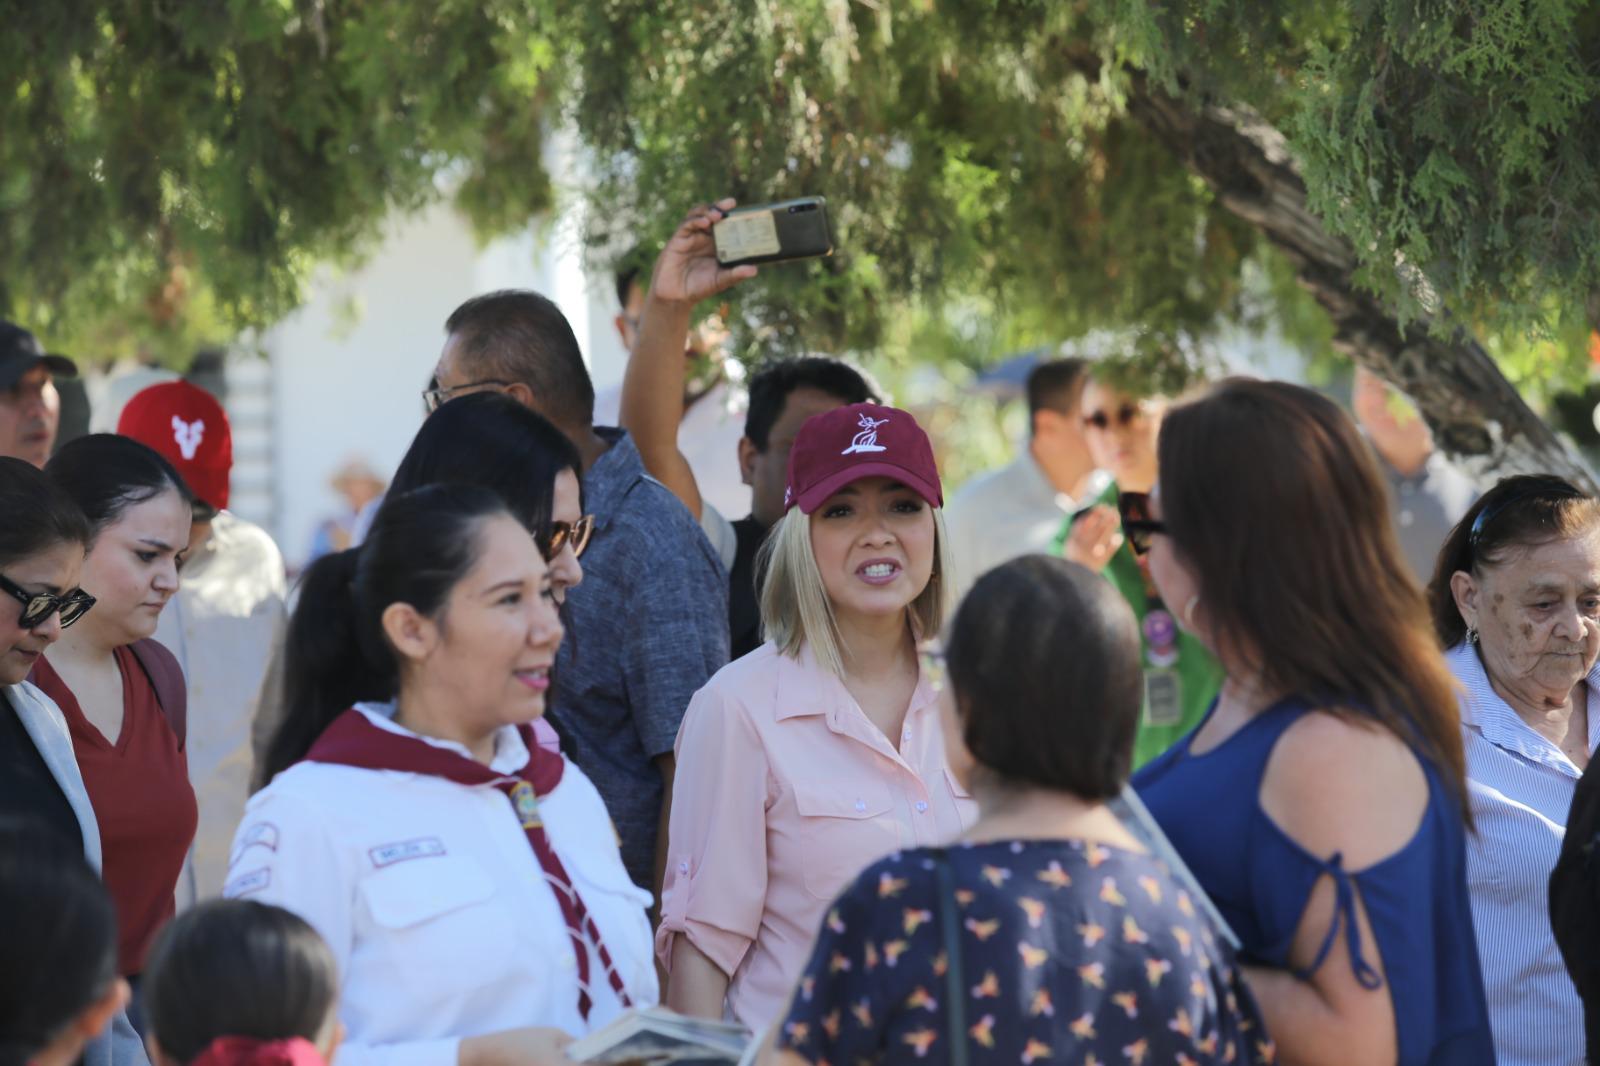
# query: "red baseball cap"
[846,444]
[187,425]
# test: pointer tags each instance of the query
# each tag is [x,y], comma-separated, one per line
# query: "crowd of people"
[1223,728]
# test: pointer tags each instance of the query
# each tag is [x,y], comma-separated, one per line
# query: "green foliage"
[171,172]
[971,168]
[1461,139]
[976,171]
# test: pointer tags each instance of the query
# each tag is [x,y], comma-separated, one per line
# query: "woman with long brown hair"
[1322,801]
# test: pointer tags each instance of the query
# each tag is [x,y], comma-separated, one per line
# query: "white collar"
[1491,717]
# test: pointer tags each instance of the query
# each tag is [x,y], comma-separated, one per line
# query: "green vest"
[1198,675]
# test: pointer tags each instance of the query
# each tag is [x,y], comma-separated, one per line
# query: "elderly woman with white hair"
[1516,601]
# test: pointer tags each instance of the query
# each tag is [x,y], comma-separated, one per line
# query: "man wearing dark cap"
[30,408]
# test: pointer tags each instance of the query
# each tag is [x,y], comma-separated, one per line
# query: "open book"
[655,1037]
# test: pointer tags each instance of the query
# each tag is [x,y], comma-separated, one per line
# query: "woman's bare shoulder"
[1338,782]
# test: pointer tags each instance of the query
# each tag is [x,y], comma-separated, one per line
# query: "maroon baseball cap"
[846,444]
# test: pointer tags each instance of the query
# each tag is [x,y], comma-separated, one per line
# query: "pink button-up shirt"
[784,792]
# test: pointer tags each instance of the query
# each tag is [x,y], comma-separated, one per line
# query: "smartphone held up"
[774,233]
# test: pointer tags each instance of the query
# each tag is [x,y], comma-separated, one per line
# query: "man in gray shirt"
[1427,494]
[649,624]
[1019,508]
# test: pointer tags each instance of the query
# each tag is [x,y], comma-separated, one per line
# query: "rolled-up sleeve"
[716,879]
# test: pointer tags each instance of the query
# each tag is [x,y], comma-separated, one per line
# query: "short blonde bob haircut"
[796,611]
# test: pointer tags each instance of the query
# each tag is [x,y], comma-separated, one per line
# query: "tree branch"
[1475,413]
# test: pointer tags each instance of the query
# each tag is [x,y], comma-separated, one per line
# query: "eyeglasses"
[38,606]
[576,533]
[931,655]
[1137,525]
[1125,416]
[1535,488]
[435,398]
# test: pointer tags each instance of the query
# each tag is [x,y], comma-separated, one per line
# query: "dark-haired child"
[240,983]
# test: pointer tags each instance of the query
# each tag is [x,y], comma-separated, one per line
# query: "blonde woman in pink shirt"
[820,752]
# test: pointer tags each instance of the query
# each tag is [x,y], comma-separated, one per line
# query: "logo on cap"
[867,439]
[187,435]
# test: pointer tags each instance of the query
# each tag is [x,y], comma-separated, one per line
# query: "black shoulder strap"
[954,975]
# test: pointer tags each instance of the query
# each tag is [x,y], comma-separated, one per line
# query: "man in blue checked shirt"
[649,624]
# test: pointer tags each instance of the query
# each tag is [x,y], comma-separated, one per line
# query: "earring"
[1188,609]
[1472,634]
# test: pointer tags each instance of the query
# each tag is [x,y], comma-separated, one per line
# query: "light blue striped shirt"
[1520,786]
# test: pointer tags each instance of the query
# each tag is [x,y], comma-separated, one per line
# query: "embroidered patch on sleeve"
[244,884]
[406,850]
[260,835]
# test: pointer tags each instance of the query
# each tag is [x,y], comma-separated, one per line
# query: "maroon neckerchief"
[352,740]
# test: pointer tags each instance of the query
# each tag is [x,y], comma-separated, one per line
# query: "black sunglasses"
[1124,416]
[1137,525]
[38,606]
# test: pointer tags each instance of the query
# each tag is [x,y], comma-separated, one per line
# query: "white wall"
[349,367]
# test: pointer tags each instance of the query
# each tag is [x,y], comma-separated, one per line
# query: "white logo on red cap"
[867,439]
[187,435]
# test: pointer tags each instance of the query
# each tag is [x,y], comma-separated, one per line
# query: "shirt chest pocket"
[844,827]
[438,915]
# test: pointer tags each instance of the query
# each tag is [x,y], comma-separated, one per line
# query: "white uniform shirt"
[434,904]
[222,626]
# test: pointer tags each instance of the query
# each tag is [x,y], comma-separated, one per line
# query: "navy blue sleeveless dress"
[1261,879]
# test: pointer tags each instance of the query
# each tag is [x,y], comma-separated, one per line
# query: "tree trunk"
[1477,417]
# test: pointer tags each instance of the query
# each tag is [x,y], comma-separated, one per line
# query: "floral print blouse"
[1071,953]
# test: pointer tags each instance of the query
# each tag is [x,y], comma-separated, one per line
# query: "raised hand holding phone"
[687,271]
[775,233]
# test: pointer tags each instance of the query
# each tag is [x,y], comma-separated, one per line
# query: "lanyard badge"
[1163,690]
[526,804]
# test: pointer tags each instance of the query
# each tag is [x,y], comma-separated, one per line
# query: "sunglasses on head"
[1137,525]
[1102,421]
[39,606]
[1541,488]
[563,533]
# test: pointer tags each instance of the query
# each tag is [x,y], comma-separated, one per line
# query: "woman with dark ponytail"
[491,440]
[466,879]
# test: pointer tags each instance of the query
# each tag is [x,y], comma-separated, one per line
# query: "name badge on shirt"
[406,850]
[1163,697]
